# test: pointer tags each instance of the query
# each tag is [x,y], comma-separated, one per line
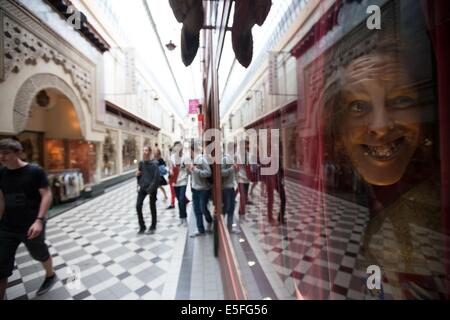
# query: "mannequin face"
[382,120]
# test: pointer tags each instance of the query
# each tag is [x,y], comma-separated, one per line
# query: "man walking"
[243,166]
[201,189]
[148,180]
[228,173]
[25,198]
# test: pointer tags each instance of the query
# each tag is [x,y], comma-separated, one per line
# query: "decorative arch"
[31,87]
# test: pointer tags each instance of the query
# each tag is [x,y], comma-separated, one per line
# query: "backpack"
[162,170]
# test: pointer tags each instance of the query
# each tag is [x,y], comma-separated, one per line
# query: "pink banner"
[193,106]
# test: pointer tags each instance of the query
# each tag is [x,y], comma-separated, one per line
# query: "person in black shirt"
[148,180]
[25,198]
[162,171]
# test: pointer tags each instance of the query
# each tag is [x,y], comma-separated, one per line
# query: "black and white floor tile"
[99,240]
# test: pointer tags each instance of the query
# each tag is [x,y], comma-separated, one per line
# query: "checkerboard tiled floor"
[99,238]
[318,256]
[313,256]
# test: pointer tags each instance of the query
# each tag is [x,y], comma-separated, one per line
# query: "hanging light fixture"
[171,46]
[42,99]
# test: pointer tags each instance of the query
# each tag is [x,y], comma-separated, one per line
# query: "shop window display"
[130,152]
[66,185]
[380,121]
[364,186]
[64,155]
[83,156]
[110,154]
[55,155]
[373,98]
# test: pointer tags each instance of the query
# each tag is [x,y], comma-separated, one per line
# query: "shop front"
[369,136]
[126,135]
[361,194]
[68,158]
[49,93]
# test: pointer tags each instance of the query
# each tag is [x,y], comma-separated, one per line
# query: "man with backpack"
[148,177]
[25,198]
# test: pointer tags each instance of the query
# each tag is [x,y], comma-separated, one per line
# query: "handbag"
[162,170]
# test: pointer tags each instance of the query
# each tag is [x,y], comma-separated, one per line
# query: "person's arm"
[203,170]
[41,182]
[46,201]
[227,167]
[2,204]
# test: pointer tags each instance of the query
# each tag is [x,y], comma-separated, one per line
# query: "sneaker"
[197,234]
[235,230]
[141,231]
[151,230]
[183,222]
[282,220]
[209,227]
[170,207]
[47,285]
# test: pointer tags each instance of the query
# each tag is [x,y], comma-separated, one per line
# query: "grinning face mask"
[382,123]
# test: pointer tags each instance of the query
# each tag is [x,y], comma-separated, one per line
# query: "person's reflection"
[381,125]
[275,182]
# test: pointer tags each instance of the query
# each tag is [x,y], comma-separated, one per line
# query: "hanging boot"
[246,15]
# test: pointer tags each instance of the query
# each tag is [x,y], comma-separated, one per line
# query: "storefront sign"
[193,106]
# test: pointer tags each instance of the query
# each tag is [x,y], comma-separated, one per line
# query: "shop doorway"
[53,138]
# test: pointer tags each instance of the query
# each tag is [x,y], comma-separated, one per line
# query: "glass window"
[130,152]
[83,156]
[292,150]
[373,162]
[356,209]
[109,164]
[55,155]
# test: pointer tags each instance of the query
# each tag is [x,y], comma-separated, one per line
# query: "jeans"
[200,200]
[140,201]
[228,197]
[275,183]
[243,192]
[180,193]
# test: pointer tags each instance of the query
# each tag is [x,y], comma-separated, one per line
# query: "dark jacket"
[149,178]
